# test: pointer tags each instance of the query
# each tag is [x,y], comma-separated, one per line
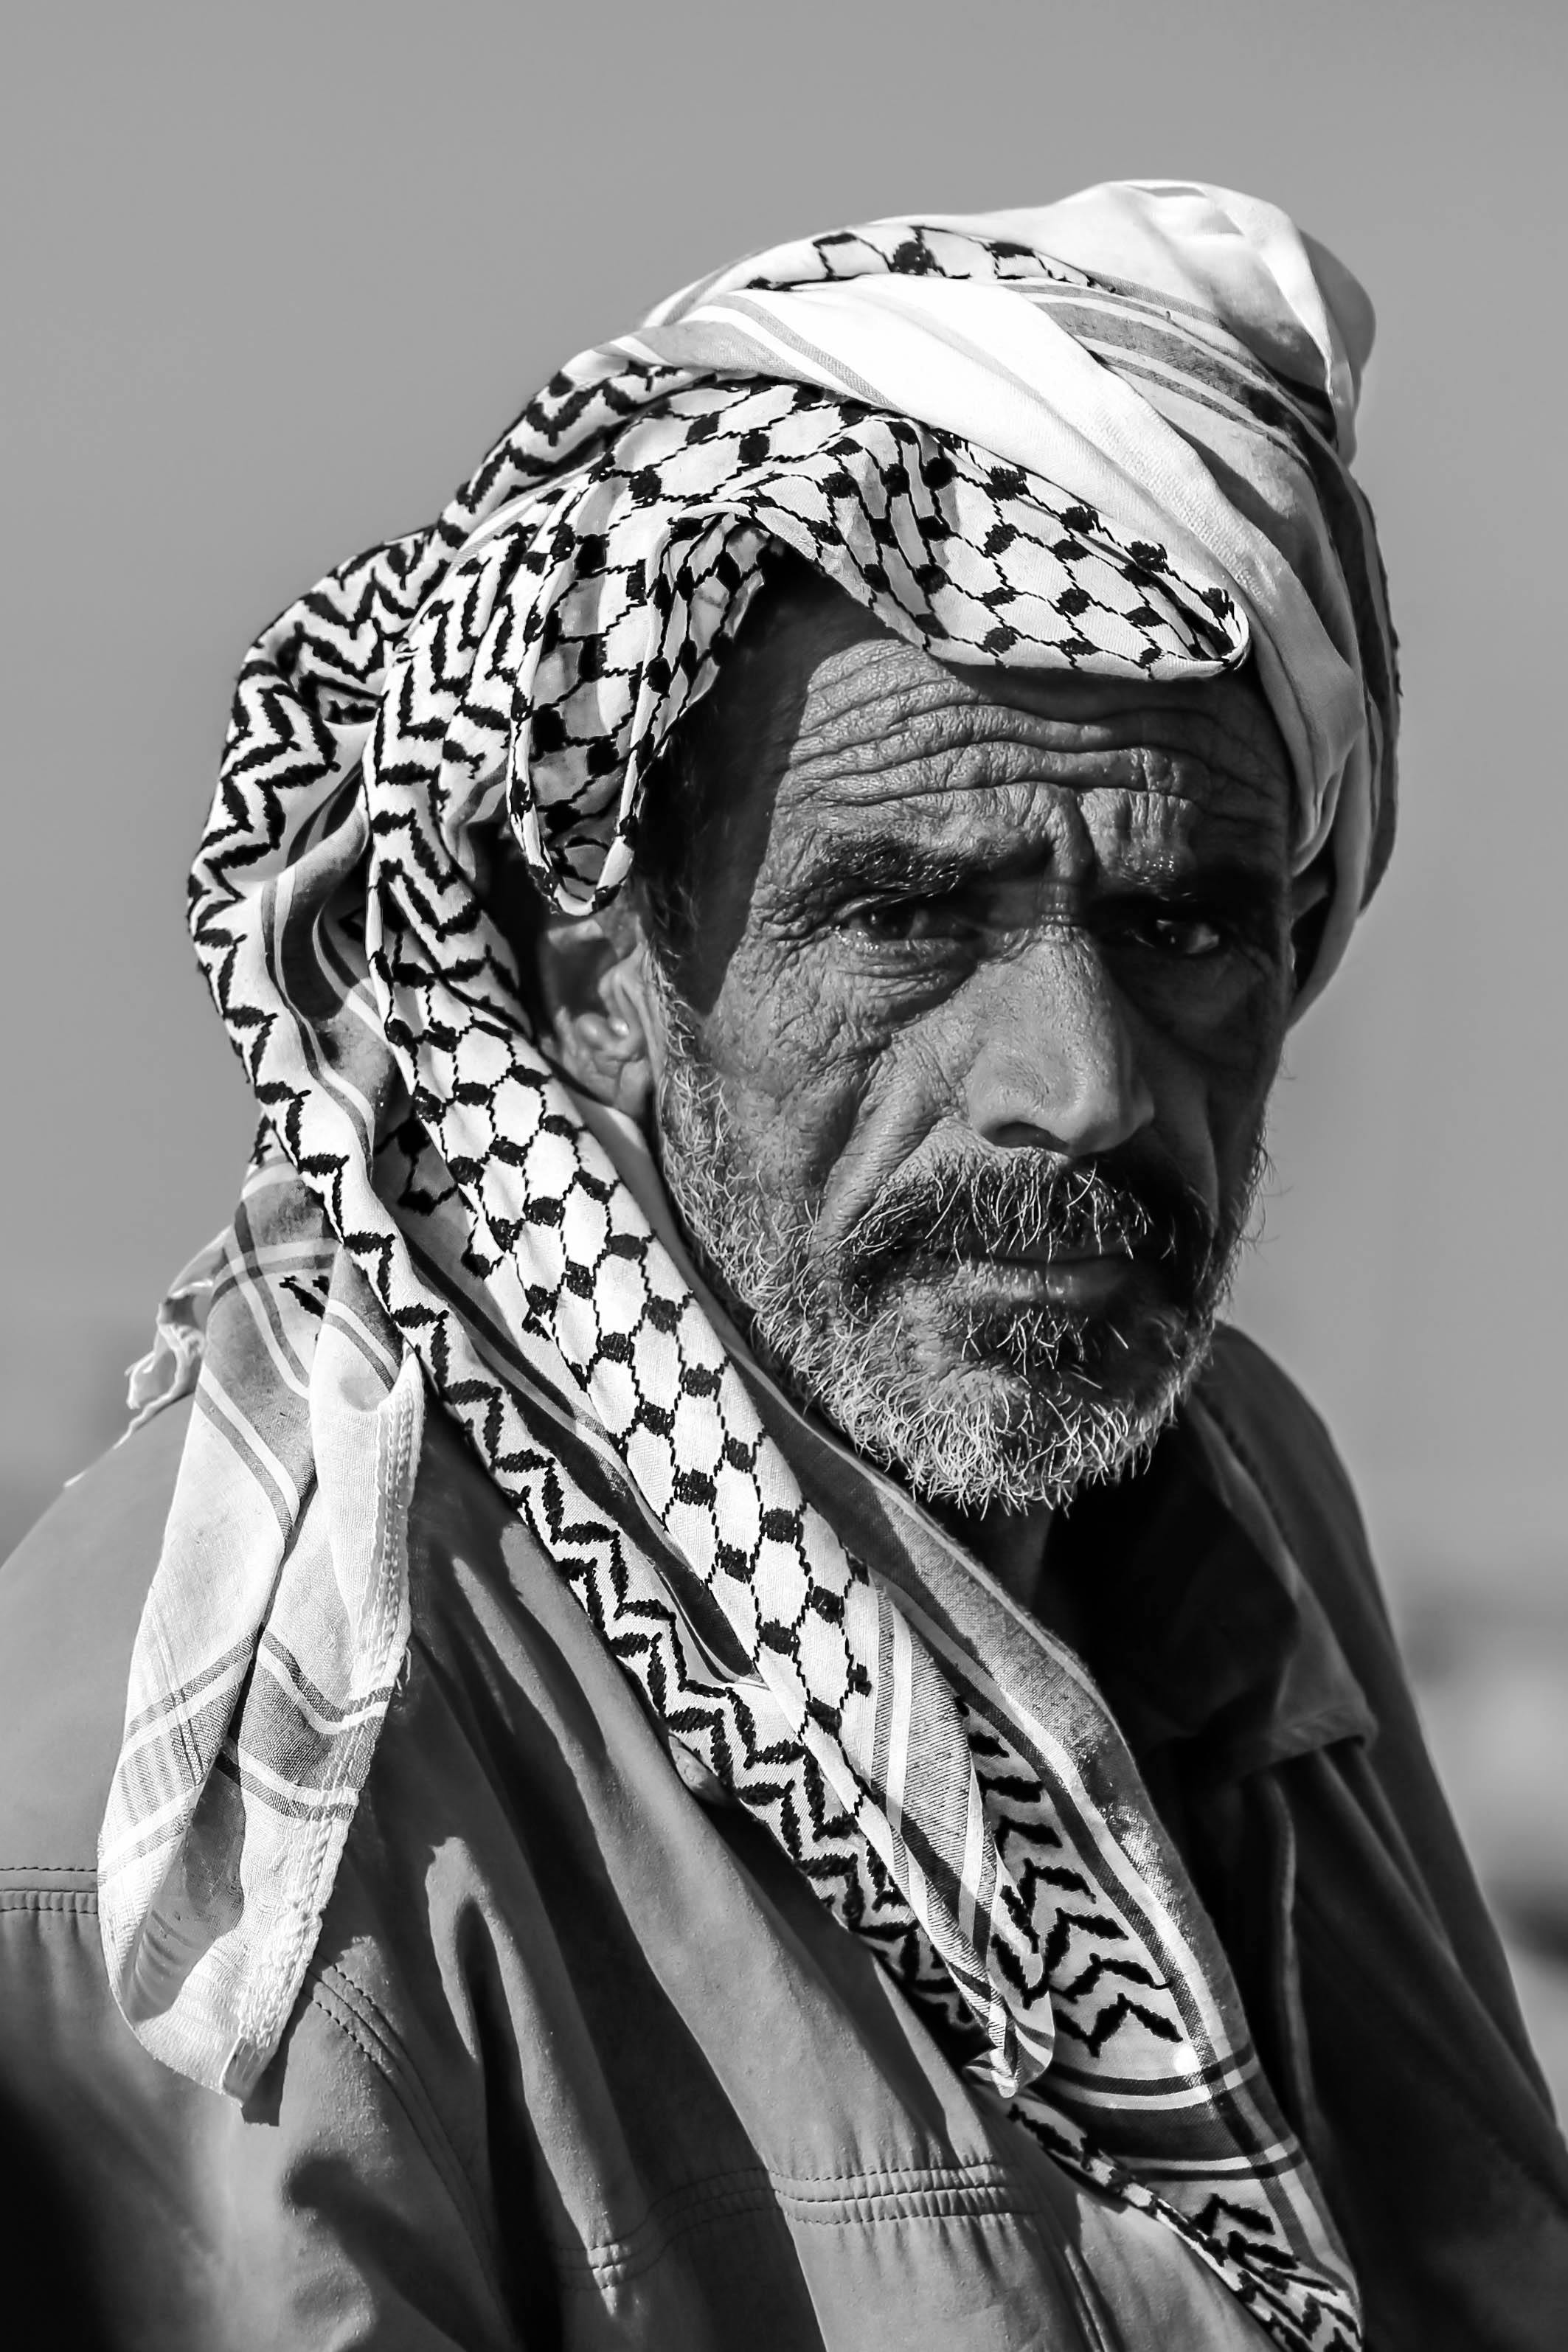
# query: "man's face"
[982,987]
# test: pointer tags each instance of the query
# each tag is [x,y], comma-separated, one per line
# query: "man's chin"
[1008,1407]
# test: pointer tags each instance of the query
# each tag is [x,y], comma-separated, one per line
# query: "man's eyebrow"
[896,863]
[1224,879]
[839,865]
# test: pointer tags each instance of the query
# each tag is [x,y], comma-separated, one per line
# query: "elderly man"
[707,1706]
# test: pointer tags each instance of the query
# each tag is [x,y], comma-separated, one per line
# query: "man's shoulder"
[71,1597]
[70,1600]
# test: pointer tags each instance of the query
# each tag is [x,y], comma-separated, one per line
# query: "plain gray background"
[277,275]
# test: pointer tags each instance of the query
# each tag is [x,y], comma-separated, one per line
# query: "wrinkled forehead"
[824,721]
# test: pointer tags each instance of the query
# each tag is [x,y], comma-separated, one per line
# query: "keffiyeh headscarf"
[1110,435]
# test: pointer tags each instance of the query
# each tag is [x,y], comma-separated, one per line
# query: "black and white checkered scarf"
[1111,436]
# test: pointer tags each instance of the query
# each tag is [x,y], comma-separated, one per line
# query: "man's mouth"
[1037,1272]
[1078,1243]
[1082,1278]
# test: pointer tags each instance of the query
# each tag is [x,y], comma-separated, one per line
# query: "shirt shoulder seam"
[351,2011]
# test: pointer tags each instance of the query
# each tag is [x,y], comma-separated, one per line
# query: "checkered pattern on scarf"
[430,1208]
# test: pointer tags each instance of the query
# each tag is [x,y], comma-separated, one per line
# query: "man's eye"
[1174,931]
[904,921]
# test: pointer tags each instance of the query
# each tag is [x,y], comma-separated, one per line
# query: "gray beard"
[992,1411]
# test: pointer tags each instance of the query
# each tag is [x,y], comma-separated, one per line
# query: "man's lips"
[1036,1271]
[1047,1253]
[1085,1281]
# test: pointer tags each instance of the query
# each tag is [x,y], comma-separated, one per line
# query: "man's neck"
[1011,1544]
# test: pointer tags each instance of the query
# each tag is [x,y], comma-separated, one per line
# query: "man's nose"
[1055,1063]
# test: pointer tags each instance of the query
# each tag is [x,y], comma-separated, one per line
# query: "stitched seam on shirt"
[918,2193]
[345,2006]
[894,2176]
[902,2204]
[56,1869]
[1091,2314]
[49,1899]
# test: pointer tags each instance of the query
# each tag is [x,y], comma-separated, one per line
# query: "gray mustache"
[1031,1201]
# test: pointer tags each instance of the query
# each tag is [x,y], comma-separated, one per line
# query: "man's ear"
[1309,895]
[602,1011]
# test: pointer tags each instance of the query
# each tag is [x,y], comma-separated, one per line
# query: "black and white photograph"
[783,1504]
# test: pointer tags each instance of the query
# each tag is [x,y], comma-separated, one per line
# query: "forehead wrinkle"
[864,742]
[1003,795]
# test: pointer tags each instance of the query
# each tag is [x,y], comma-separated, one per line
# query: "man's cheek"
[793,1069]
[908,1087]
[1210,1087]
[1237,1104]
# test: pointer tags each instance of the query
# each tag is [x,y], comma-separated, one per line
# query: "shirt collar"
[1204,1628]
